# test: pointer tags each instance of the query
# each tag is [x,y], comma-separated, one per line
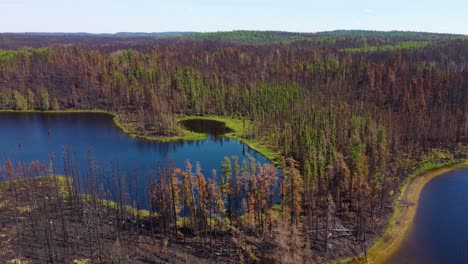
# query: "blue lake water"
[26,137]
[440,230]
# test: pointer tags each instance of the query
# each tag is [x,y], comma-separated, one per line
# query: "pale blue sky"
[110,16]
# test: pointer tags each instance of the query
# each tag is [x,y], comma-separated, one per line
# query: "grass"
[126,128]
[7,56]
[237,125]
[239,128]
[381,249]
[387,244]
[19,261]
[64,184]
[129,209]
[61,182]
[81,261]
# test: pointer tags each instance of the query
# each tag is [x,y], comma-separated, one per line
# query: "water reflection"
[86,135]
[439,233]
[211,127]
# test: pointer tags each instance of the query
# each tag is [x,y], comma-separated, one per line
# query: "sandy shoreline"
[402,220]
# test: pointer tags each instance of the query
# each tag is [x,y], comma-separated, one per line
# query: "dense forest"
[351,112]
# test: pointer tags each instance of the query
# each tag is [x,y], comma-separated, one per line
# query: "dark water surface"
[440,230]
[211,127]
[34,136]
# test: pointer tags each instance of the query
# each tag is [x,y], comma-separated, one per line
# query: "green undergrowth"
[139,213]
[238,126]
[81,261]
[424,168]
[65,185]
[62,182]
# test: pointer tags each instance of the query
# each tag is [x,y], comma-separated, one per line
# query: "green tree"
[31,99]
[292,188]
[226,170]
[54,104]
[44,101]
[19,102]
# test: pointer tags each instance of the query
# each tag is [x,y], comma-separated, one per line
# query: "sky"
[110,16]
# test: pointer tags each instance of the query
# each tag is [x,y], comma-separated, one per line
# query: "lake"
[27,137]
[440,230]
[213,128]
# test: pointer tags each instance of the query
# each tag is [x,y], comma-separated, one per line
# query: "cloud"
[368,11]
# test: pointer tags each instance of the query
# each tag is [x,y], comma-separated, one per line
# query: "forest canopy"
[351,112]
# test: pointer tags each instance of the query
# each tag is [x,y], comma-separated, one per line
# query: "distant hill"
[121,39]
[153,34]
[263,37]
[118,34]
[375,33]
[343,40]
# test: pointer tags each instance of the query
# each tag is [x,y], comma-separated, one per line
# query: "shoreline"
[236,125]
[402,219]
[382,248]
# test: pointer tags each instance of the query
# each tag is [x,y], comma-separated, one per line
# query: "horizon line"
[219,31]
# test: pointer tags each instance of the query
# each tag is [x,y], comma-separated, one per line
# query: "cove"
[27,137]
[211,127]
[439,233]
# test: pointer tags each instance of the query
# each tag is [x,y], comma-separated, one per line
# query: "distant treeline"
[351,37]
[352,120]
[340,38]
